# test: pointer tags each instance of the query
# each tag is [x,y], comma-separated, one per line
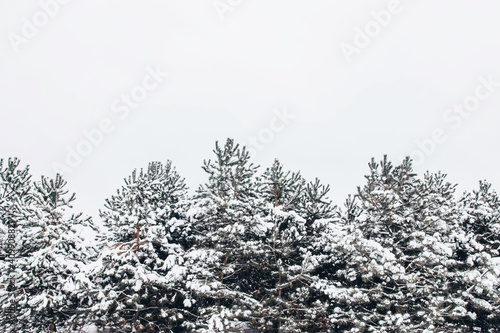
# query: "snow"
[408,260]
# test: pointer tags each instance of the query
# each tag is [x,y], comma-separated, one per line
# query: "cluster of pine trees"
[250,251]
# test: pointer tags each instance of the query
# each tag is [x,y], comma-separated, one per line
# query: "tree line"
[250,251]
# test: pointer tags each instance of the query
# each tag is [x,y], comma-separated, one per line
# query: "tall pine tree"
[140,273]
[227,240]
[293,210]
[50,260]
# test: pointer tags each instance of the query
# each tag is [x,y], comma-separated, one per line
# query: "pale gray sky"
[322,85]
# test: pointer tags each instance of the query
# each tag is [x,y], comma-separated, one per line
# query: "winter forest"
[251,250]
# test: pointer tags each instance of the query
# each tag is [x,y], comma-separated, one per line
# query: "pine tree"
[292,210]
[227,234]
[15,194]
[482,217]
[371,276]
[156,194]
[402,257]
[478,246]
[140,273]
[50,260]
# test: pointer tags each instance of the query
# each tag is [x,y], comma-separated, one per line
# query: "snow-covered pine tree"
[15,194]
[402,259]
[431,256]
[455,287]
[478,246]
[370,289]
[140,273]
[291,208]
[364,282]
[281,193]
[482,217]
[225,268]
[321,218]
[159,191]
[330,255]
[51,254]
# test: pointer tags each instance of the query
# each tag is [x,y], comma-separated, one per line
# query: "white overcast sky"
[230,77]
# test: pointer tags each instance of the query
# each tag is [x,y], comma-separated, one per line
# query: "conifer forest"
[253,249]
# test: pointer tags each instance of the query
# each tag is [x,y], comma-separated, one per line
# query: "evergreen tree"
[156,195]
[15,195]
[140,272]
[482,217]
[50,260]
[478,246]
[227,240]
[292,212]
[402,261]
[362,264]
